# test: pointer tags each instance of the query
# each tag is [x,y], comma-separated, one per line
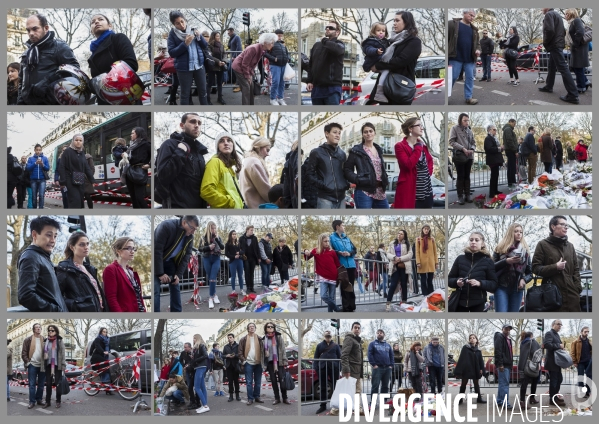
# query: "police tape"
[435,85]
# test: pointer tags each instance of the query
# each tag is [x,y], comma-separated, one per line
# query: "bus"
[99,142]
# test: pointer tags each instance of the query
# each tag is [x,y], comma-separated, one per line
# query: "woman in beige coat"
[400,267]
[426,259]
[254,179]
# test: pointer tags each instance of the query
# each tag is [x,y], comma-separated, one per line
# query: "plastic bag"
[289,73]
[344,386]
[211,384]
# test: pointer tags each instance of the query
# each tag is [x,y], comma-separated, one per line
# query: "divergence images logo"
[578,397]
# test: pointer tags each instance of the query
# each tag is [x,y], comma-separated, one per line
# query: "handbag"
[531,369]
[588,34]
[563,358]
[454,301]
[209,61]
[545,297]
[398,89]
[64,386]
[459,156]
[78,178]
[510,53]
[288,382]
[137,175]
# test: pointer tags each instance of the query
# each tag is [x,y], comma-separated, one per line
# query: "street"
[498,92]
[75,403]
[291,97]
[53,200]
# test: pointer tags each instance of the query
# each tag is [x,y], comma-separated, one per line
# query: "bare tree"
[131,23]
[17,233]
[431,29]
[506,17]
[530,25]
[290,330]
[80,330]
[70,25]
[583,229]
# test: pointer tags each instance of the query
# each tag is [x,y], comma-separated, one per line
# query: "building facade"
[238,327]
[16,34]
[19,329]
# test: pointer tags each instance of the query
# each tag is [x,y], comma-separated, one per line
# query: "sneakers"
[515,83]
[388,307]
[334,412]
[282,102]
[236,89]
[243,292]
[210,303]
[202,410]
[471,102]
[216,299]
[274,102]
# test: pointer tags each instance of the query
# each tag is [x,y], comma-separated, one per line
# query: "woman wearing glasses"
[54,364]
[414,188]
[254,179]
[100,351]
[275,360]
[326,264]
[78,279]
[121,283]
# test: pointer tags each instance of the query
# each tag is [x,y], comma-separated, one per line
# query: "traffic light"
[78,221]
[540,325]
[335,323]
[246,18]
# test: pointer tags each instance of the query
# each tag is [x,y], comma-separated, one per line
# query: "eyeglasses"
[270,326]
[51,331]
[130,249]
[563,224]
[191,227]
[331,28]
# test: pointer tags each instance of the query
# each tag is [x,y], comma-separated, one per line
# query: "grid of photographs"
[435,202]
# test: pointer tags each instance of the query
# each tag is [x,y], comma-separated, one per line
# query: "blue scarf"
[106,341]
[96,43]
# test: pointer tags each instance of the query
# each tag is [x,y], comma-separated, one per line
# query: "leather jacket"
[166,238]
[77,289]
[359,169]
[554,32]
[325,172]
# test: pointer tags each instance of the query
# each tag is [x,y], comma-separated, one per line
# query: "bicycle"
[126,386]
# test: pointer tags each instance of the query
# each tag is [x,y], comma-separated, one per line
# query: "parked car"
[438,191]
[292,354]
[18,371]
[514,375]
[310,385]
[527,60]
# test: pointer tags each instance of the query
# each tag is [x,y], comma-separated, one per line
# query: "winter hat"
[219,136]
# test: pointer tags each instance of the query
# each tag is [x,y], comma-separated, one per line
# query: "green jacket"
[180,384]
[452,39]
[510,140]
[352,356]
[219,186]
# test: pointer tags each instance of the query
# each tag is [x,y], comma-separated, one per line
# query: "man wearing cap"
[552,342]
[434,357]
[266,259]
[278,58]
[486,51]
[327,364]
[504,358]
[380,356]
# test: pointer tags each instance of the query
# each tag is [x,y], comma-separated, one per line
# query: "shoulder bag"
[400,90]
[510,53]
[545,297]
[78,178]
[459,156]
[136,174]
[239,192]
[454,298]
[65,387]
[563,358]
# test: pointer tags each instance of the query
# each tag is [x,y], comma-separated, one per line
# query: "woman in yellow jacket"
[220,187]
[426,259]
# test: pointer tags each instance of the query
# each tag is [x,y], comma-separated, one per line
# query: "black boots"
[230,397]
[323,407]
[467,197]
[460,189]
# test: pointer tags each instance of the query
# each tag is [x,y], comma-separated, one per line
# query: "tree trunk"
[158,341]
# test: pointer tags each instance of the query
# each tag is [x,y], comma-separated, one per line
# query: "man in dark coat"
[231,357]
[248,243]
[487,45]
[325,74]
[530,151]
[554,41]
[555,260]
[552,342]
[510,145]
[352,360]
[326,363]
[504,359]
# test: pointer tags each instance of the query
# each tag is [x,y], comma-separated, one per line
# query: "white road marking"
[501,93]
[477,86]
[23,403]
[45,411]
[263,407]
[542,103]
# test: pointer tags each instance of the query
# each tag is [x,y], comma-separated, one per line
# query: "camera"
[465,280]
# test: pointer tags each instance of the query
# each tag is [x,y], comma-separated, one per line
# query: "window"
[429,68]
[126,342]
[346,70]
[390,166]
[305,45]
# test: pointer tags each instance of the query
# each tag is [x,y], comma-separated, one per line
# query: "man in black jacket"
[248,244]
[231,357]
[529,151]
[327,362]
[23,183]
[173,240]
[39,290]
[552,342]
[504,359]
[486,51]
[278,58]
[325,74]
[180,166]
[554,41]
[325,170]
[44,54]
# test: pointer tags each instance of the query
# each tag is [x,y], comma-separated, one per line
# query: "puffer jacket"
[370,48]
[77,289]
[179,384]
[503,274]
[220,186]
[452,43]
[166,238]
[180,52]
[343,244]
[478,266]
[34,83]
[325,172]
[308,192]
[554,32]
[326,62]
[265,250]
[503,355]
[39,290]
[359,169]
[278,55]
[352,356]
[36,172]
[180,173]
[510,140]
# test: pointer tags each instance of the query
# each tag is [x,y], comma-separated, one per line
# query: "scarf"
[495,138]
[32,54]
[106,341]
[131,277]
[395,40]
[425,240]
[32,345]
[181,35]
[246,349]
[96,43]
[50,352]
[91,280]
[414,364]
[271,346]
[72,146]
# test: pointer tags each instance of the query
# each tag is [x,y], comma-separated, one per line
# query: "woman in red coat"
[122,286]
[581,151]
[414,188]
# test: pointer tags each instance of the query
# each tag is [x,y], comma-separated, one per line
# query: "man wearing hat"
[266,259]
[327,363]
[278,58]
[504,358]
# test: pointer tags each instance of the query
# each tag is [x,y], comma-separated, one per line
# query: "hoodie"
[380,353]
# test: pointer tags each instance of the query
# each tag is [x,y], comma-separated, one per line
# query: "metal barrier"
[371,276]
[542,64]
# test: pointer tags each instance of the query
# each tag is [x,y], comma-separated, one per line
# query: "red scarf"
[425,242]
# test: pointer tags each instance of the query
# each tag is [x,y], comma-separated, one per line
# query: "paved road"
[498,92]
[56,203]
[291,97]
[75,403]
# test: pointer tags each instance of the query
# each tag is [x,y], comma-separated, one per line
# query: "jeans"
[278,83]
[436,376]
[36,375]
[486,60]
[200,385]
[548,167]
[380,375]
[177,395]
[328,294]
[211,268]
[512,167]
[253,379]
[29,198]
[105,377]
[236,270]
[508,300]
[38,188]
[384,280]
[503,391]
[581,368]
[185,79]
[363,201]
[173,289]
[265,273]
[329,204]
[555,381]
[360,285]
[468,78]
[581,78]
[426,281]
[557,63]
[333,99]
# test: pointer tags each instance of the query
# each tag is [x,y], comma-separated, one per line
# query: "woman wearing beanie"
[219,185]
[254,179]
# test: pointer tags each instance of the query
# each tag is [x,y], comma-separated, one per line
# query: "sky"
[205,327]
[27,130]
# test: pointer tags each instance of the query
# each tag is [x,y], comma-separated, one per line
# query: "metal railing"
[371,276]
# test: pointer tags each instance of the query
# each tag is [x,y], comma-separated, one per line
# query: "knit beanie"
[219,136]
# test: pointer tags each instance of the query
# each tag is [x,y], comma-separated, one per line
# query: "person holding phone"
[212,247]
[37,166]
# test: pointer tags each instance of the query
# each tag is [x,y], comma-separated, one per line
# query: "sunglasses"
[269,326]
[331,28]
[54,331]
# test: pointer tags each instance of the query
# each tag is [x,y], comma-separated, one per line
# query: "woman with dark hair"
[473,275]
[470,366]
[414,363]
[78,279]
[494,158]
[211,246]
[12,83]
[54,364]
[13,173]
[426,259]
[139,156]
[461,140]
[187,46]
[107,48]
[546,148]
[365,167]
[100,351]
[511,42]
[216,74]
[220,187]
[414,188]
[234,251]
[400,267]
[400,57]
[73,169]
[276,360]
[121,283]
[579,50]
[528,347]
[65,196]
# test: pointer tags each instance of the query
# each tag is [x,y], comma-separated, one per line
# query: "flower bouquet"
[479,201]
[495,202]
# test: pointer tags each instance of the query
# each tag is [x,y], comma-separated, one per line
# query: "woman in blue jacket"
[346,251]
[186,45]
[37,165]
